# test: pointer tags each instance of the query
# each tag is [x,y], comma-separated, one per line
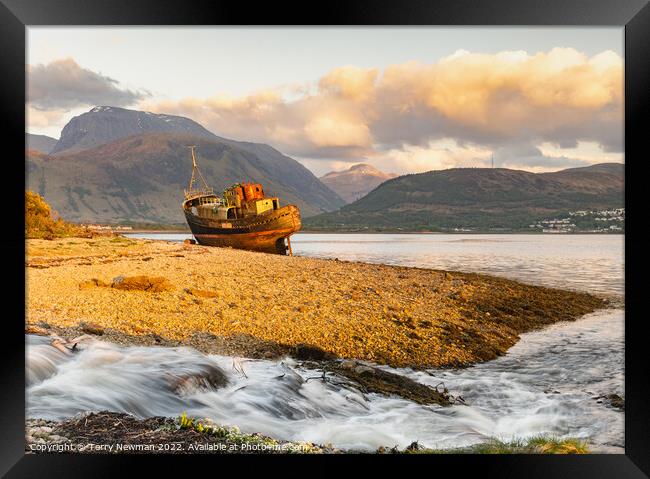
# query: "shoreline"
[308,231]
[474,232]
[152,231]
[95,432]
[276,305]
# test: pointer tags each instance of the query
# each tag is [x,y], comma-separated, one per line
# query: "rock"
[211,377]
[92,329]
[374,380]
[31,329]
[203,293]
[60,344]
[189,241]
[142,283]
[41,433]
[157,338]
[310,353]
[361,369]
[414,446]
[92,283]
[616,401]
[347,364]
[613,400]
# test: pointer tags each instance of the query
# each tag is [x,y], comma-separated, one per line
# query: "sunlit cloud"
[532,111]
[437,155]
[475,104]
[590,152]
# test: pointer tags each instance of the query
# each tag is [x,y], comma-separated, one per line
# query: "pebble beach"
[234,302]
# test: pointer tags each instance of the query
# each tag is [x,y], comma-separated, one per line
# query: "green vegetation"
[41,223]
[232,435]
[535,445]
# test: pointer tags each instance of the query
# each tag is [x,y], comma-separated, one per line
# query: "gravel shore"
[257,305]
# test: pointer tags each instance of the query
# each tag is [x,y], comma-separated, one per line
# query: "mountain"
[141,178]
[104,124]
[355,182]
[113,165]
[42,143]
[479,199]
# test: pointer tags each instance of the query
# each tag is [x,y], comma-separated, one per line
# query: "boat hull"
[265,232]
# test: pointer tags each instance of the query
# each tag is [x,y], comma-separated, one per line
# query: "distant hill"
[478,199]
[142,177]
[355,182]
[42,143]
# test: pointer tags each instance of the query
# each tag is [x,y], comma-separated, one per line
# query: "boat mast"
[196,174]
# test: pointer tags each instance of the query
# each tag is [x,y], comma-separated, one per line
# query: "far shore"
[257,305]
[308,231]
[179,231]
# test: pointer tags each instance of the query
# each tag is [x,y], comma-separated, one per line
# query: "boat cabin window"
[276,204]
[231,214]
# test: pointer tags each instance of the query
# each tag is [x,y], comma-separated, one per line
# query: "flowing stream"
[548,383]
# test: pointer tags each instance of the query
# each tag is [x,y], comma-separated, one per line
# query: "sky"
[402,99]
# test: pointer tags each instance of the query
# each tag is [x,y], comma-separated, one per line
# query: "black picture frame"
[633,15]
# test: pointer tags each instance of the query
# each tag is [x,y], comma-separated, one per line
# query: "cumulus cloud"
[63,85]
[524,156]
[436,155]
[43,118]
[445,113]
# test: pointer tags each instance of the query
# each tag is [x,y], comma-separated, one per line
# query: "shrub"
[40,221]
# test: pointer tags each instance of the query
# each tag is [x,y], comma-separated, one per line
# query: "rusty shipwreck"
[242,217]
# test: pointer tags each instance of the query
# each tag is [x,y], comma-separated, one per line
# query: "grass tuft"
[536,445]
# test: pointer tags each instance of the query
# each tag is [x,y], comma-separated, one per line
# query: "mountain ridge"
[136,162]
[479,199]
[41,143]
[142,177]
